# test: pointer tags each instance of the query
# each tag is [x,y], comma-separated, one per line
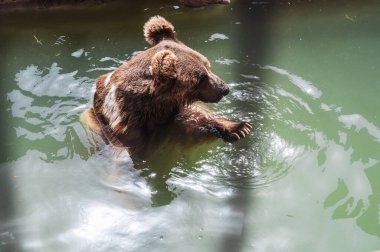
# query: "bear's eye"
[204,78]
[147,74]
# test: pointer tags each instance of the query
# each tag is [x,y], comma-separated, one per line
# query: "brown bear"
[160,86]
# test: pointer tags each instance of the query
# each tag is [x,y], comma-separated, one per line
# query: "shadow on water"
[253,38]
[8,231]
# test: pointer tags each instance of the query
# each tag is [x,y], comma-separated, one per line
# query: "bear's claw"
[236,131]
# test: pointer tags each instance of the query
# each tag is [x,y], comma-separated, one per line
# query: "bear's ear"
[163,68]
[157,29]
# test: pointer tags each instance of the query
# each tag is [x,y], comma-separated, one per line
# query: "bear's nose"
[225,91]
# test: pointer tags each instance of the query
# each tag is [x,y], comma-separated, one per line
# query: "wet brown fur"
[160,86]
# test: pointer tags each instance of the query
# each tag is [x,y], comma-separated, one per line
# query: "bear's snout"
[220,84]
[212,89]
[225,91]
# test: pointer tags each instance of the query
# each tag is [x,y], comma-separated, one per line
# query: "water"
[306,179]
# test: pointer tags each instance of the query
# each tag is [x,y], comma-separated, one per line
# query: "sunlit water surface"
[306,179]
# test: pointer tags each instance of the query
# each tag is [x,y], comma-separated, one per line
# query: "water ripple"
[306,86]
[46,106]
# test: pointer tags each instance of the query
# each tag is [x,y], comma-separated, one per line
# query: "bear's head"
[177,69]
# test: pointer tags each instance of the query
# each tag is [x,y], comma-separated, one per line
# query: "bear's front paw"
[236,131]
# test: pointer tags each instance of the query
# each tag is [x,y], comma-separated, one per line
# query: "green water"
[304,74]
